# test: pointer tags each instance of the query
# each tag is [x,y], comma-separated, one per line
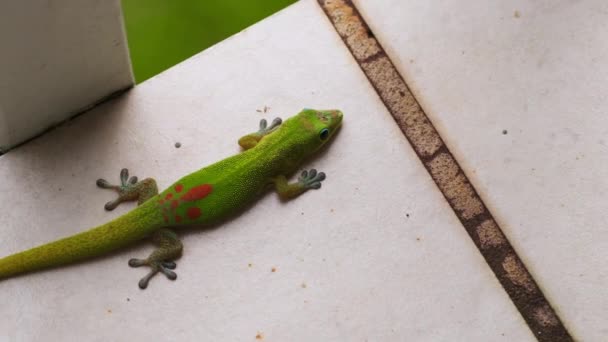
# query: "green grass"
[162,33]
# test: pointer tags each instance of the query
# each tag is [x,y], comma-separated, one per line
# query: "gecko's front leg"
[250,140]
[307,180]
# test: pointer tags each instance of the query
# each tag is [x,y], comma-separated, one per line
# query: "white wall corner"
[56,59]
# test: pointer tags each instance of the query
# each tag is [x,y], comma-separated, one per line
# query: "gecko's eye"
[324,134]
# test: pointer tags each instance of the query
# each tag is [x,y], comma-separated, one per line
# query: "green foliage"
[162,33]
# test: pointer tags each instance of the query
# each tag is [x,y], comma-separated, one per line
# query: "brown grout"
[446,172]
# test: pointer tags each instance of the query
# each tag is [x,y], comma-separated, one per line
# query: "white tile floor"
[349,262]
[537,71]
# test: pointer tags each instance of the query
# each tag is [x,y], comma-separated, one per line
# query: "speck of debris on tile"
[128,299]
[265,110]
[302,213]
[411,61]
[274,269]
[109,311]
[259,336]
[516,14]
[59,189]
[418,238]
[304,285]
[331,210]
[178,144]
[504,132]
[249,265]
[407,215]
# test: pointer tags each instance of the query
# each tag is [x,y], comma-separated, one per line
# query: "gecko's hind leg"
[129,189]
[161,260]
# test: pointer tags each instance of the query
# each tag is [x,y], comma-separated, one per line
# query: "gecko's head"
[319,126]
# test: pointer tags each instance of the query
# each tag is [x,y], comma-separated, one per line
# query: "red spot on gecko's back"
[174,204]
[179,188]
[193,213]
[169,196]
[197,193]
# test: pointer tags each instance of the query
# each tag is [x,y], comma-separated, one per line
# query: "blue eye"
[324,133]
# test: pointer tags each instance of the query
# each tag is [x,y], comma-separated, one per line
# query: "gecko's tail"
[113,235]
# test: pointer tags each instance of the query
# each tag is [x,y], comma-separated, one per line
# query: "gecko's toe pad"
[265,129]
[104,184]
[311,179]
[163,267]
[127,190]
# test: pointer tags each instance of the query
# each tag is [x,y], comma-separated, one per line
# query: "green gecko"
[207,196]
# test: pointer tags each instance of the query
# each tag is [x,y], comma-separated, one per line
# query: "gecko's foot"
[311,179]
[127,190]
[265,129]
[163,267]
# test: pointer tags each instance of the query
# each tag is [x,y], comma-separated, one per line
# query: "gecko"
[205,197]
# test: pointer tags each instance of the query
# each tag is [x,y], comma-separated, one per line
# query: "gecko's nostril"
[336,115]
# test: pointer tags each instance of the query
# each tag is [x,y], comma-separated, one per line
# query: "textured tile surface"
[517,91]
[376,254]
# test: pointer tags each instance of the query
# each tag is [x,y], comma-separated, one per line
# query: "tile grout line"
[446,172]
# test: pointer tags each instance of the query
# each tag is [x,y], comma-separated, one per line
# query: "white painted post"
[56,59]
